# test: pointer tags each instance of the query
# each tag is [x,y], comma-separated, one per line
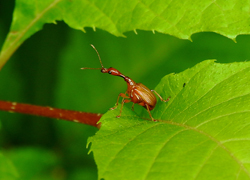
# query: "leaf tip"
[135,31]
[83,30]
[190,39]
[234,39]
[88,145]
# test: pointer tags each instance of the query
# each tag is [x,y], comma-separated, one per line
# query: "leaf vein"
[124,145]
[180,91]
[210,90]
[205,161]
[209,120]
[204,110]
[213,107]
[105,15]
[215,140]
[33,22]
[235,139]
[163,145]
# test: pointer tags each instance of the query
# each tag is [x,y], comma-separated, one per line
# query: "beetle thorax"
[129,81]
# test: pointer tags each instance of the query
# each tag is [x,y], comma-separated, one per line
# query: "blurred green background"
[45,71]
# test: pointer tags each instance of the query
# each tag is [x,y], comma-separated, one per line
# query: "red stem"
[75,116]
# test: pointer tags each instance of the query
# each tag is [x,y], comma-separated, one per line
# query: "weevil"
[136,92]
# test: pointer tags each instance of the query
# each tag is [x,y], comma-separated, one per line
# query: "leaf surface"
[203,132]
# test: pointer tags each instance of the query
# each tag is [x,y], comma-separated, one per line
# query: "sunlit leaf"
[203,132]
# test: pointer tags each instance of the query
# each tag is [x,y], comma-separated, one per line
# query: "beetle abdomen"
[146,96]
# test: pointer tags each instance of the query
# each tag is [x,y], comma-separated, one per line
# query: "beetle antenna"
[98,57]
[97,54]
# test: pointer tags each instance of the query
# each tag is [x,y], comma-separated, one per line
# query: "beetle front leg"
[120,95]
[133,107]
[123,101]
[160,96]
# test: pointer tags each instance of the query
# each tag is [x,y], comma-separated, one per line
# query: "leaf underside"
[203,132]
[177,18]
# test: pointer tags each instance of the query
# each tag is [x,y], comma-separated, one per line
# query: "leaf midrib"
[210,91]
[29,26]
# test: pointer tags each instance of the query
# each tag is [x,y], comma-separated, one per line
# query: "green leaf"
[203,132]
[7,170]
[180,19]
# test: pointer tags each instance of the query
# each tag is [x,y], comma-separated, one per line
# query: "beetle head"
[111,71]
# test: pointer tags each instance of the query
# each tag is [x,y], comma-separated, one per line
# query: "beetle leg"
[147,106]
[123,101]
[121,109]
[127,100]
[160,96]
[133,107]
[120,95]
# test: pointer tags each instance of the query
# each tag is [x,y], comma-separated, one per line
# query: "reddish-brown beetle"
[137,92]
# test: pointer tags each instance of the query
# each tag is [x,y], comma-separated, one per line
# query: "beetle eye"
[109,72]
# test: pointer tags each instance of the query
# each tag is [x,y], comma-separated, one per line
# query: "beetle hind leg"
[164,100]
